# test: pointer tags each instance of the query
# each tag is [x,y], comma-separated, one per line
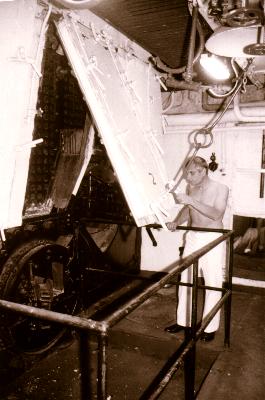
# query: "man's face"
[194,174]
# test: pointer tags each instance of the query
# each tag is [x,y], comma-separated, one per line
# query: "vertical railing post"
[194,298]
[190,358]
[85,365]
[102,367]
[100,328]
[228,286]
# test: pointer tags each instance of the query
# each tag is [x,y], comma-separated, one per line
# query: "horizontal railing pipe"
[193,228]
[102,327]
[64,319]
[117,315]
[180,266]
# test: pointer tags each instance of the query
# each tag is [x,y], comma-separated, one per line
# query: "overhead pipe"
[173,83]
[201,43]
[194,120]
[78,4]
[174,71]
[210,106]
[187,83]
[186,71]
[235,115]
[242,116]
[188,74]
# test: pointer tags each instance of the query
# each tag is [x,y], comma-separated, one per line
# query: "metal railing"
[87,326]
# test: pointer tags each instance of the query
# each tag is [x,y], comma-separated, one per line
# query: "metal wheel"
[244,17]
[37,274]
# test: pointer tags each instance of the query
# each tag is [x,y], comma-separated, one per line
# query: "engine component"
[38,273]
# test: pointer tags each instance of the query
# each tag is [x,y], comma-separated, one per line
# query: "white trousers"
[211,268]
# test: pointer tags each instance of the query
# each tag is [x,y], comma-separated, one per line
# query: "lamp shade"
[232,42]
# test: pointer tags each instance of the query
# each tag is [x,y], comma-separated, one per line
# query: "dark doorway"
[249,247]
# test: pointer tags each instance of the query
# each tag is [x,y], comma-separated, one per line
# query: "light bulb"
[215,67]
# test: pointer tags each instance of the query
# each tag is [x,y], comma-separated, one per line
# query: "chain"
[206,132]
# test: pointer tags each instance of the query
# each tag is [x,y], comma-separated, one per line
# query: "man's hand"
[183,198]
[171,226]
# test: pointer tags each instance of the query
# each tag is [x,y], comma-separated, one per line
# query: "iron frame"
[87,326]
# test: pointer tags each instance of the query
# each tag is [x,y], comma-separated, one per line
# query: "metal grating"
[160,26]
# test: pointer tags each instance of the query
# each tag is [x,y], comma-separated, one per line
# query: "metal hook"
[154,182]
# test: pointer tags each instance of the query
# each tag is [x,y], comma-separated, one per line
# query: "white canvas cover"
[22,36]
[122,91]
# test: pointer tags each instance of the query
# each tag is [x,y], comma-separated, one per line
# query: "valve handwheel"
[244,17]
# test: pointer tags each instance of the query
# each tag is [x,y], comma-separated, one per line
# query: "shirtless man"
[204,203]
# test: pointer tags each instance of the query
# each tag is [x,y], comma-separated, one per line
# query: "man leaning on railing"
[204,203]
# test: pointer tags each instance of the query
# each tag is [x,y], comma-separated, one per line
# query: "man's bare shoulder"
[221,187]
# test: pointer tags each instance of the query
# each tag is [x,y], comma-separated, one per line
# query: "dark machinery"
[46,262]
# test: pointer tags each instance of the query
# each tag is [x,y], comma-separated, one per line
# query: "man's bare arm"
[215,212]
[183,216]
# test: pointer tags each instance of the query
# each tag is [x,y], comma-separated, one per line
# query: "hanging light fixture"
[216,67]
